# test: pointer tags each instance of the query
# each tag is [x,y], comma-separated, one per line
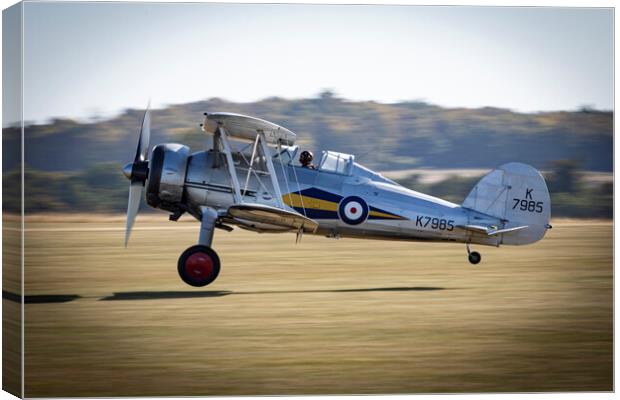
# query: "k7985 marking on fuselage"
[441,224]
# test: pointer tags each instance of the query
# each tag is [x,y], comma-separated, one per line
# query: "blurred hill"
[383,136]
[76,167]
[102,188]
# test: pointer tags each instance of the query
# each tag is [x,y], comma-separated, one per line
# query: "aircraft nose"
[127,169]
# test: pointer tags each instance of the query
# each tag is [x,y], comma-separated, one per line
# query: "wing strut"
[231,165]
[288,189]
[216,148]
[262,141]
[250,170]
[272,170]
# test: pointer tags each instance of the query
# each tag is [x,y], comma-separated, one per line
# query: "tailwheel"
[474,257]
[199,265]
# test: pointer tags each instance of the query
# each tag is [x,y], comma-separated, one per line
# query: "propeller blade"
[145,136]
[135,192]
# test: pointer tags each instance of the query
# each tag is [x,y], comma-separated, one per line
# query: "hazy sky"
[88,58]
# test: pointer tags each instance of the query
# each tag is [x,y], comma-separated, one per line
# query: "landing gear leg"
[199,265]
[473,256]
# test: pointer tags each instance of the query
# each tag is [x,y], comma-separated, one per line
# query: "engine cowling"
[166,179]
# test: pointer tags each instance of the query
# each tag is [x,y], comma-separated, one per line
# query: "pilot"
[306,158]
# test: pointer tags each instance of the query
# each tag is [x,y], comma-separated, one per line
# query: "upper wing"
[244,127]
[274,216]
[489,230]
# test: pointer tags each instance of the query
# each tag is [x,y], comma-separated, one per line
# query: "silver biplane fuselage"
[382,209]
[261,187]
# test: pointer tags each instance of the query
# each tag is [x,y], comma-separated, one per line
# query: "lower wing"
[268,215]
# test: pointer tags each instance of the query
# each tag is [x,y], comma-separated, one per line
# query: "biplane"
[250,178]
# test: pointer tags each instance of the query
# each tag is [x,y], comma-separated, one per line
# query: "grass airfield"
[322,317]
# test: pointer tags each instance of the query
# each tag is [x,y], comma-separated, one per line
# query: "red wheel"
[199,265]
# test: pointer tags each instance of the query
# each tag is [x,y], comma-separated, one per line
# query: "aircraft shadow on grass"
[64,298]
[220,293]
[40,298]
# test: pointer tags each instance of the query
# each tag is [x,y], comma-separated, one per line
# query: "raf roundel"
[353,210]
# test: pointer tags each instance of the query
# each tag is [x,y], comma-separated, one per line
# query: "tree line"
[102,188]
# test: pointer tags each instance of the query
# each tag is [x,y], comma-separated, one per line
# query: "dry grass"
[325,316]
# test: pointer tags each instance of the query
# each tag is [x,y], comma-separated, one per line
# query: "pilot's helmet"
[306,157]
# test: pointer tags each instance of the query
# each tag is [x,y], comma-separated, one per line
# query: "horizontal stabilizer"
[489,230]
[268,215]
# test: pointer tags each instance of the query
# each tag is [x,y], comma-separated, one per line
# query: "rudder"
[517,194]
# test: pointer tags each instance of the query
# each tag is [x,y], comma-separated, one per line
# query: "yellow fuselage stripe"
[383,215]
[309,202]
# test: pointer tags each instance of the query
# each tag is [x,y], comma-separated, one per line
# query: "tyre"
[199,265]
[474,257]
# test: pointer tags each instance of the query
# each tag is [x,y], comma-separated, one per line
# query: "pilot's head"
[305,158]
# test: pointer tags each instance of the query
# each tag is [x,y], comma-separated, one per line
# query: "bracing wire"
[301,197]
[247,178]
[288,189]
[255,174]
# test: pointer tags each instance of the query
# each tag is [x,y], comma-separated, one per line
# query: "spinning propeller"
[137,172]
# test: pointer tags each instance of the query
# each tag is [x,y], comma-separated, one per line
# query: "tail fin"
[517,194]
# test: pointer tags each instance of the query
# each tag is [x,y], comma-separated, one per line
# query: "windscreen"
[337,163]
